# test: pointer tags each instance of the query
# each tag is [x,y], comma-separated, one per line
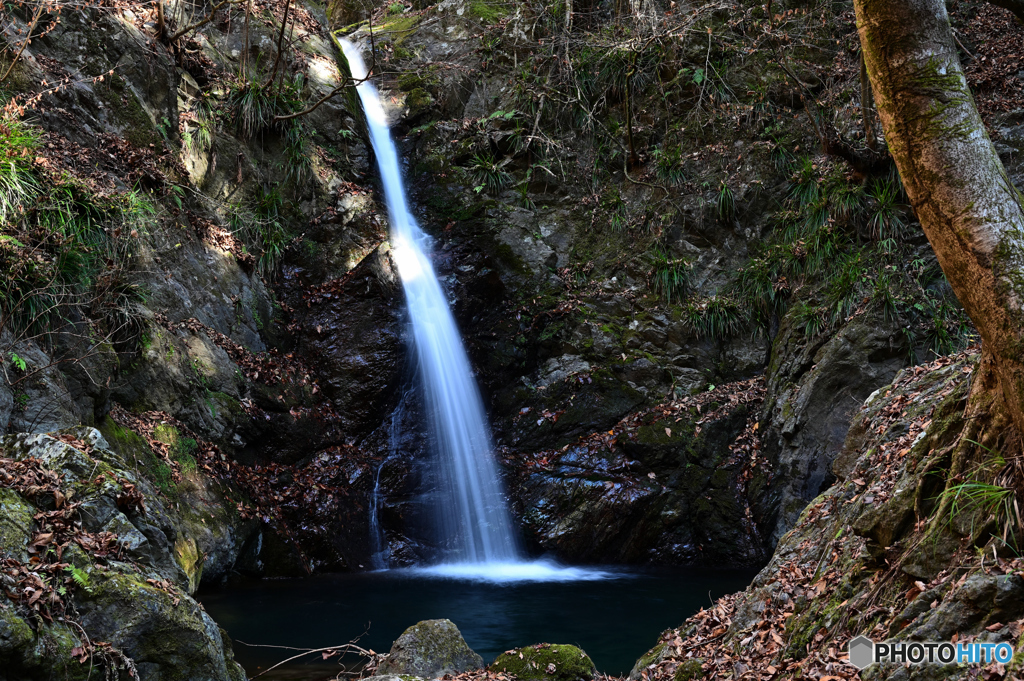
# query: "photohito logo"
[863,651]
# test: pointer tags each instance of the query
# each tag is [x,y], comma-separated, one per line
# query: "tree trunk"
[967,206]
[867,105]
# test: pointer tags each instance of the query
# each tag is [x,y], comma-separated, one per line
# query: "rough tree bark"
[967,206]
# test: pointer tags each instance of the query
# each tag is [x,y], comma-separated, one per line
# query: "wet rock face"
[669,486]
[430,649]
[815,386]
[351,330]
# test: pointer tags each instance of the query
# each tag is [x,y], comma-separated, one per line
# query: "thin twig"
[348,647]
[205,20]
[24,43]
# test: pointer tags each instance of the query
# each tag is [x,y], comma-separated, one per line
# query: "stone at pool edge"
[546,662]
[429,650]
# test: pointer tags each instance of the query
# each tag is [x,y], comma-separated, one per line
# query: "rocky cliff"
[897,548]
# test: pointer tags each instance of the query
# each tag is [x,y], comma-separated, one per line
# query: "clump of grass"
[725,203]
[62,248]
[668,164]
[197,136]
[841,248]
[717,317]
[670,276]
[18,184]
[489,174]
[256,106]
[987,505]
[260,223]
[887,213]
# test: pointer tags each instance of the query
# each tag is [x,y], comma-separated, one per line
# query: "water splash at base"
[514,572]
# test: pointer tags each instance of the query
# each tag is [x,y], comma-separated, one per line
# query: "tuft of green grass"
[260,223]
[668,164]
[670,276]
[717,317]
[489,174]
[65,252]
[18,184]
[198,134]
[255,105]
[887,214]
[725,203]
[984,503]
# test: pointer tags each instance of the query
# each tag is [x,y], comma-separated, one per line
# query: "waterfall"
[472,515]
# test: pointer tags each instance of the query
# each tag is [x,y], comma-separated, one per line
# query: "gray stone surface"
[430,649]
[814,388]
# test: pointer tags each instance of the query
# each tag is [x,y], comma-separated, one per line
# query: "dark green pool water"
[615,619]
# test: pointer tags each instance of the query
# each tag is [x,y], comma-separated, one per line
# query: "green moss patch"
[546,661]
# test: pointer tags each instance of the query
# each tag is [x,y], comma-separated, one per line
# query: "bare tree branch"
[202,22]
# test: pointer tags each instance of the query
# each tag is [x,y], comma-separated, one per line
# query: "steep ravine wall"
[877,554]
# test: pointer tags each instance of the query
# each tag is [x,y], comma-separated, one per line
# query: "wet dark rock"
[586,407]
[352,332]
[815,385]
[665,493]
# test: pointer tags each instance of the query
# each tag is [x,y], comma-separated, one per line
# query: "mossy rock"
[544,662]
[169,632]
[131,446]
[652,656]
[689,670]
[167,434]
[190,561]
[15,524]
[15,637]
[419,79]
[418,101]
[430,649]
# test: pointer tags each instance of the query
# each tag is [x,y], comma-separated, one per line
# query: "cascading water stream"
[379,554]
[472,515]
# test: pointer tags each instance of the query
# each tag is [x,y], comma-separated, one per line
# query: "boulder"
[430,649]
[546,662]
[137,599]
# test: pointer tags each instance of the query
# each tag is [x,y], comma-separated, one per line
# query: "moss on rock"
[689,670]
[545,661]
[418,101]
[190,560]
[430,649]
[15,524]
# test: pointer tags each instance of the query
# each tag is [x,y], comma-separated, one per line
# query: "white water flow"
[473,518]
[379,553]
